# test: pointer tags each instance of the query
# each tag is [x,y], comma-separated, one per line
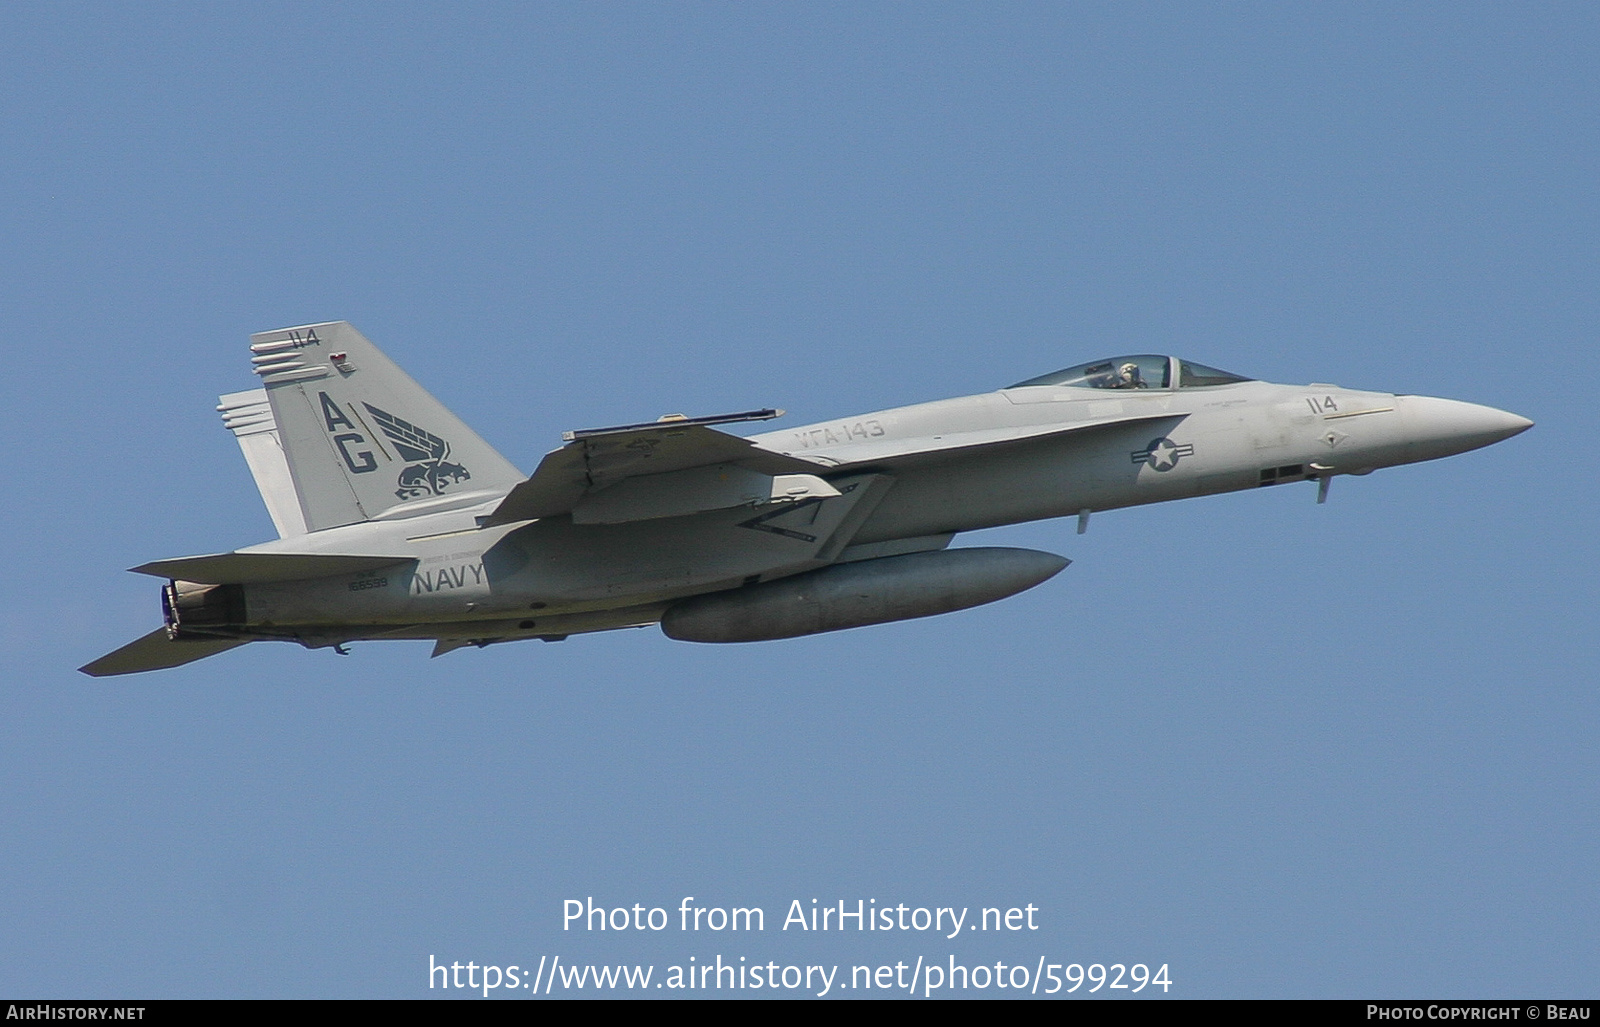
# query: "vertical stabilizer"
[359,437]
[249,416]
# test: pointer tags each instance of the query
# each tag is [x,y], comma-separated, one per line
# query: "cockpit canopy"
[1140,371]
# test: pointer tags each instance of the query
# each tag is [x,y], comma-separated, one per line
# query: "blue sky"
[1287,750]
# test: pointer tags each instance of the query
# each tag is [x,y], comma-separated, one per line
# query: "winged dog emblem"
[431,472]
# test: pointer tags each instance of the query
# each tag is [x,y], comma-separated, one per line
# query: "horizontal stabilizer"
[156,651]
[598,458]
[254,568]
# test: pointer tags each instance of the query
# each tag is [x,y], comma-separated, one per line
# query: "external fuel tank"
[852,595]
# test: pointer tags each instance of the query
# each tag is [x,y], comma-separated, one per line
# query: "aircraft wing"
[595,459]
[156,651]
[254,568]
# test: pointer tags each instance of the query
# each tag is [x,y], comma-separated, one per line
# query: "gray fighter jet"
[398,522]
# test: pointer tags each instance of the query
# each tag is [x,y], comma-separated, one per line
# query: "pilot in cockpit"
[1128,377]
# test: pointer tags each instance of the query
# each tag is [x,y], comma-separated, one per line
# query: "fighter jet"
[396,521]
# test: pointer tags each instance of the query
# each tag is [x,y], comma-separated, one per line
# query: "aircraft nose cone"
[1442,427]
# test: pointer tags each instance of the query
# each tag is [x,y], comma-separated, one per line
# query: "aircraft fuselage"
[554,576]
[398,521]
